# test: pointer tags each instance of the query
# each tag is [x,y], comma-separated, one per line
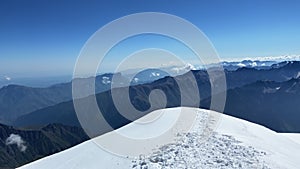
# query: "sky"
[45,37]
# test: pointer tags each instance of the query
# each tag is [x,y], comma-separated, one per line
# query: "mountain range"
[269,103]
[248,90]
[17,100]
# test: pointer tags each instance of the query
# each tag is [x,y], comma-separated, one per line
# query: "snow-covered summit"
[234,143]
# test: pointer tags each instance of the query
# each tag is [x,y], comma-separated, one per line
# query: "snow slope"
[293,136]
[234,143]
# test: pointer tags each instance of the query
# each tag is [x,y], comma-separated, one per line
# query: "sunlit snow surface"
[234,143]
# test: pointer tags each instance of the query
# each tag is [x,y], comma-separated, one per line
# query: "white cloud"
[298,75]
[154,74]
[106,80]
[265,58]
[277,58]
[185,68]
[7,78]
[16,139]
[135,79]
[190,67]
[253,64]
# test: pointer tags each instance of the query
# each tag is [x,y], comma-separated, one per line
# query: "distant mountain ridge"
[17,100]
[272,104]
[242,78]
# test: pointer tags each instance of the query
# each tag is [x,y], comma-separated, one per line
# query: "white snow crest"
[235,144]
[16,139]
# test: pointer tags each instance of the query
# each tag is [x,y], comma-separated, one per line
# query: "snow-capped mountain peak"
[235,143]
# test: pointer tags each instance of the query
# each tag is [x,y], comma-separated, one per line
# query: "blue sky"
[44,38]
